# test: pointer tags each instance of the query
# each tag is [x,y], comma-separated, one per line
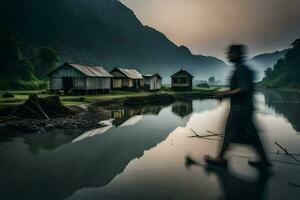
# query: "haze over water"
[143,155]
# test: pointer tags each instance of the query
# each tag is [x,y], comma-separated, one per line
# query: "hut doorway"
[67,84]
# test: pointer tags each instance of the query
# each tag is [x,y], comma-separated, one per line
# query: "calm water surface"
[142,154]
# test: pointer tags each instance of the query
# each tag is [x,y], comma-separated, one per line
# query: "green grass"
[21,96]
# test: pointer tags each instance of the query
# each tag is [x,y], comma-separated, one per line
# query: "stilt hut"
[182,80]
[77,78]
[152,82]
[128,79]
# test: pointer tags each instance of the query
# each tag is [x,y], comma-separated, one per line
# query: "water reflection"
[141,154]
[121,116]
[285,103]
[234,187]
[50,140]
[32,173]
[182,108]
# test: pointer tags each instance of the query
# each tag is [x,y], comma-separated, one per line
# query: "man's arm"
[230,93]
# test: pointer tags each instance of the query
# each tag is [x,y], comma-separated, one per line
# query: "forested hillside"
[95,32]
[286,72]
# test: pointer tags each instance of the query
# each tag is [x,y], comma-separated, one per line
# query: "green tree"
[14,65]
[268,72]
[286,71]
[211,79]
[46,61]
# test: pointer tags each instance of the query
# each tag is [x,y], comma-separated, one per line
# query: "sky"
[207,26]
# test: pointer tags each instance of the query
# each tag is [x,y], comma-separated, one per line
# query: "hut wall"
[79,83]
[98,83]
[147,81]
[117,83]
[56,83]
[157,84]
[127,82]
[152,83]
[181,81]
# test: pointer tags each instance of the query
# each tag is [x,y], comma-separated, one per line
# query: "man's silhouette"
[240,127]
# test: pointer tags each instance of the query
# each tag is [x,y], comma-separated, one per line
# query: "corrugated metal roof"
[90,71]
[131,73]
[151,75]
[182,71]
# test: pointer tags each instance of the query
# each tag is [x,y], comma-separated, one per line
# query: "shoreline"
[89,115]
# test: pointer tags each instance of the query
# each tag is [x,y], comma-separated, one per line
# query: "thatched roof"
[89,71]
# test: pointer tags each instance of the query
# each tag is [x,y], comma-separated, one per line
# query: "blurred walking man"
[240,127]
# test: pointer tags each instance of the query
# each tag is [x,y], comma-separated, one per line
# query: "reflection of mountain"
[92,162]
[92,133]
[182,108]
[50,140]
[286,103]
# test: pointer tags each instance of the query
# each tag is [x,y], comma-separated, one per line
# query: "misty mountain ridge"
[261,62]
[100,32]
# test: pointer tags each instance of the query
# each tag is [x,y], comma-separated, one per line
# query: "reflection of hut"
[126,79]
[152,81]
[182,108]
[132,115]
[182,80]
[121,116]
[80,78]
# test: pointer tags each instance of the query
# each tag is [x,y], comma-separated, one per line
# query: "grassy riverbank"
[21,96]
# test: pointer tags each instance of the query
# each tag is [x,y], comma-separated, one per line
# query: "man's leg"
[257,144]
[220,159]
[225,145]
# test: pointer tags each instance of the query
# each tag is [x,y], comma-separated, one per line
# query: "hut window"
[183,80]
[175,80]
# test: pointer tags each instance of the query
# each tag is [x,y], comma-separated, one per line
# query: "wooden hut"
[80,79]
[152,82]
[126,79]
[182,80]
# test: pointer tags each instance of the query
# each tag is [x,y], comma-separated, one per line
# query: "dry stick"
[286,152]
[211,132]
[221,135]
[36,104]
[201,136]
[206,138]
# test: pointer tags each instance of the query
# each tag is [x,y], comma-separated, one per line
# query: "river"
[145,153]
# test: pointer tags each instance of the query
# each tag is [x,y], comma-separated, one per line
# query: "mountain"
[99,32]
[286,72]
[263,61]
